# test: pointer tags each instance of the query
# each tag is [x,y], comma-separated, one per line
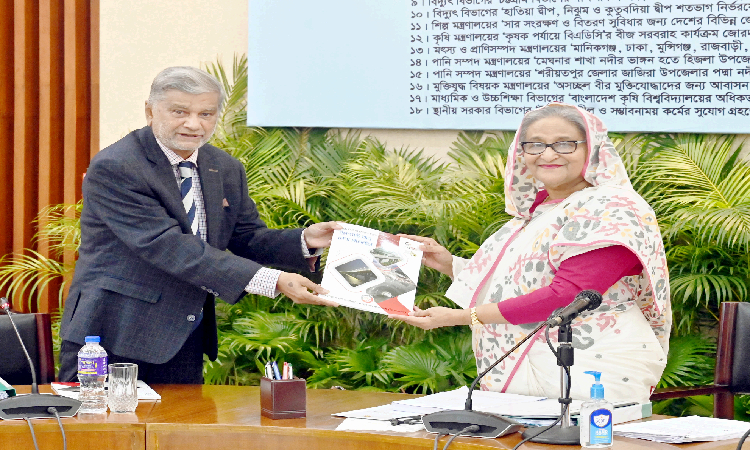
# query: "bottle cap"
[88,339]
[597,389]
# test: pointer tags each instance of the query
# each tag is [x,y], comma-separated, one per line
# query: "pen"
[269,371]
[291,374]
[276,374]
[622,405]
[410,420]
[285,372]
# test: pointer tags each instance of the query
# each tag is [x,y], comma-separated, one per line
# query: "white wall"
[139,38]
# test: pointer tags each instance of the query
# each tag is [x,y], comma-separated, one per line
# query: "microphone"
[490,425]
[587,300]
[34,405]
[495,425]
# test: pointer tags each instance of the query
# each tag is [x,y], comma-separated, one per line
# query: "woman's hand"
[436,317]
[433,254]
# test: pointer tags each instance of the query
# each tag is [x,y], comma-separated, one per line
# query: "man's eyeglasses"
[562,147]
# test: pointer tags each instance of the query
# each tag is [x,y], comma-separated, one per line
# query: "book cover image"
[372,271]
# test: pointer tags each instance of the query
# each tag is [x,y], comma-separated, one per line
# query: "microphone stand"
[565,433]
[493,425]
[490,425]
[34,405]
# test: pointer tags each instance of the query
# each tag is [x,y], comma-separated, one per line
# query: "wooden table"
[228,417]
[86,431]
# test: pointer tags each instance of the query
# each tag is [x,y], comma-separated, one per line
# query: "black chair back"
[741,361]
[731,375]
[36,334]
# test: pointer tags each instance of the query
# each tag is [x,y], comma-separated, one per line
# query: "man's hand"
[319,235]
[301,290]
[435,317]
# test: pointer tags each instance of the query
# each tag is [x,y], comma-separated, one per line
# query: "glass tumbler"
[123,393]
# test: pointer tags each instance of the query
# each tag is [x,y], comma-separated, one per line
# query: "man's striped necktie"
[188,193]
[188,201]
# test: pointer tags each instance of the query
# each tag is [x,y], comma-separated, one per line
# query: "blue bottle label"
[92,366]
[600,427]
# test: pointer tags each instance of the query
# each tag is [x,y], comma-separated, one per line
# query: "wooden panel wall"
[49,90]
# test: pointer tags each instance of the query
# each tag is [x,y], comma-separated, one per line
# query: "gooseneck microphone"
[34,405]
[495,425]
[490,425]
[587,300]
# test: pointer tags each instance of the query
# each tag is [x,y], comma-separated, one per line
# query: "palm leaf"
[418,367]
[726,225]
[363,362]
[61,227]
[326,376]
[688,363]
[262,333]
[455,347]
[698,183]
[27,276]
[481,155]
[704,288]
[234,115]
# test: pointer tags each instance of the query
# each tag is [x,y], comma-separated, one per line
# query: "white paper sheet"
[387,412]
[352,424]
[684,429]
[145,392]
[487,401]
[523,408]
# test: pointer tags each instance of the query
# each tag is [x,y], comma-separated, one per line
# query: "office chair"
[731,375]
[36,331]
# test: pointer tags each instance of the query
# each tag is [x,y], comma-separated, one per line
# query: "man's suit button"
[191,318]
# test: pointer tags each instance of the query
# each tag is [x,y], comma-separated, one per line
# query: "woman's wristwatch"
[474,319]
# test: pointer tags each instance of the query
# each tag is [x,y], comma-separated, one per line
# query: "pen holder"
[283,399]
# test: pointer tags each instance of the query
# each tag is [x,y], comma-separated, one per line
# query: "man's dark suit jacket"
[141,274]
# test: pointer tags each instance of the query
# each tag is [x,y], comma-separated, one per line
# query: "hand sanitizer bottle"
[595,421]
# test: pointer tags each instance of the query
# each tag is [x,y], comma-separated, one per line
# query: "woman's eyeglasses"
[562,147]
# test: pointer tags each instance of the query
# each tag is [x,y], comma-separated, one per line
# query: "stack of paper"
[684,429]
[145,392]
[351,424]
[408,412]
[522,408]
[530,411]
[487,401]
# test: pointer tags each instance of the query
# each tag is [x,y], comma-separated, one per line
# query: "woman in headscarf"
[577,224]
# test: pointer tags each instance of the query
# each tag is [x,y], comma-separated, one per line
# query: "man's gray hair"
[562,111]
[186,79]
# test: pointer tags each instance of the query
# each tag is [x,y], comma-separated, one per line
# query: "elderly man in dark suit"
[160,209]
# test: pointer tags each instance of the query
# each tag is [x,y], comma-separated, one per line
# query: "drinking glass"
[123,394]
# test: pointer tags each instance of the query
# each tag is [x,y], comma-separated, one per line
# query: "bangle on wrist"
[474,319]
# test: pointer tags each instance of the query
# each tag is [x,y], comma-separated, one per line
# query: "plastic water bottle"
[92,372]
